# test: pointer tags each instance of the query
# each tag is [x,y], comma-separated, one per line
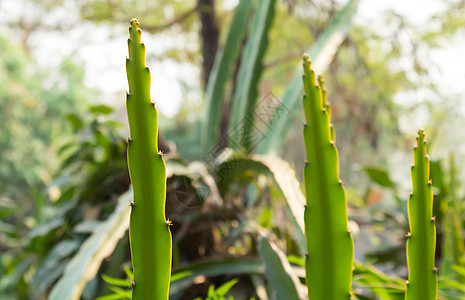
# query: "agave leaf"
[85,264]
[285,177]
[250,70]
[283,281]
[53,265]
[221,72]
[283,174]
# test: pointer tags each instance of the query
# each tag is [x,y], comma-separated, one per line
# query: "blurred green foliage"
[63,160]
[33,103]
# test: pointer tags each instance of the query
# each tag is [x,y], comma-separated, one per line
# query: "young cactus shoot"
[421,244]
[329,243]
[149,233]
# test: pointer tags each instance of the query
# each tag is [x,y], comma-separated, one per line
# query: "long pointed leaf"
[250,70]
[285,177]
[221,72]
[283,174]
[85,264]
[278,271]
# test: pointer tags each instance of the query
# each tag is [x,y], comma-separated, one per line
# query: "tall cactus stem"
[421,244]
[329,242]
[150,237]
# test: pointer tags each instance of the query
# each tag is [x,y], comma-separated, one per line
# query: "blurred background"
[390,67]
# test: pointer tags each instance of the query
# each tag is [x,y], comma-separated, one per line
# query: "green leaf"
[114,297]
[100,109]
[180,275]
[380,176]
[383,286]
[225,287]
[297,260]
[321,53]
[283,174]
[88,226]
[115,281]
[229,266]
[85,264]
[221,72]
[278,271]
[220,292]
[250,70]
[120,291]
[75,121]
[128,272]
[45,228]
[42,283]
[53,265]
[285,177]
[9,281]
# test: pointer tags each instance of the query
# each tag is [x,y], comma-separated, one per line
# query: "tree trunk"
[209,34]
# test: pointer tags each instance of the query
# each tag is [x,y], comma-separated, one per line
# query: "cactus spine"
[329,243]
[421,244]
[149,232]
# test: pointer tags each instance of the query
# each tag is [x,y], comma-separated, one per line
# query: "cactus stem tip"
[134,23]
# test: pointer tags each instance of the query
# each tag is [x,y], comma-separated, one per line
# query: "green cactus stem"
[453,249]
[421,244]
[329,243]
[149,231]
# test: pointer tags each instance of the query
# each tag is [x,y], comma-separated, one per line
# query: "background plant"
[363,81]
